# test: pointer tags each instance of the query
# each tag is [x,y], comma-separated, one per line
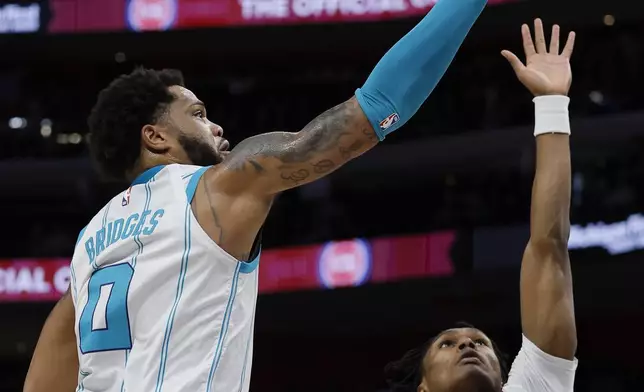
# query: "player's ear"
[155,138]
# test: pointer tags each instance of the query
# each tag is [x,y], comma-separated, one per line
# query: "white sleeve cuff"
[536,371]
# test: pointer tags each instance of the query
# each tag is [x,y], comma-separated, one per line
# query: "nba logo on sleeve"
[389,121]
[126,197]
[344,263]
[151,15]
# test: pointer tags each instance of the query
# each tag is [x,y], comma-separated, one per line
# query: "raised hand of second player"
[547,71]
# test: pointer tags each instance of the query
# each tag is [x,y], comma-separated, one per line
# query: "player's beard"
[199,153]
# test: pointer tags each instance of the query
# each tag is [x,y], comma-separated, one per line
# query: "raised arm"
[54,365]
[269,163]
[280,160]
[547,311]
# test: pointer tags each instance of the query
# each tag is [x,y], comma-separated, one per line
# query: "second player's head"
[149,118]
[461,359]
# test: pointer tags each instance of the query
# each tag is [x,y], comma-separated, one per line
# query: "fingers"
[570,45]
[540,46]
[554,40]
[539,36]
[528,45]
[514,61]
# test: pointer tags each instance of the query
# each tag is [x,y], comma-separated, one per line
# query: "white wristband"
[551,114]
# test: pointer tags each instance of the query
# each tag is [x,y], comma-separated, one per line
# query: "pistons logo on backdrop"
[344,263]
[150,15]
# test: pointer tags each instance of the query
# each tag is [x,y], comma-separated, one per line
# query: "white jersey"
[159,305]
[536,371]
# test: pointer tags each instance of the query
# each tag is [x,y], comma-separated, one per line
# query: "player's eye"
[200,114]
[480,342]
[445,344]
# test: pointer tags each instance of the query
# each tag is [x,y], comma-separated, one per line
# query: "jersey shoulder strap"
[190,176]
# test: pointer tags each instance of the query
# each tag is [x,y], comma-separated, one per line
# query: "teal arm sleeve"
[411,69]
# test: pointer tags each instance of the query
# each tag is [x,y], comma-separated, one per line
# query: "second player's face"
[461,359]
[201,139]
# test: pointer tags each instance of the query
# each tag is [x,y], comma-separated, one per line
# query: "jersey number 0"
[104,324]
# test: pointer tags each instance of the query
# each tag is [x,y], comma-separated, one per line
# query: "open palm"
[546,72]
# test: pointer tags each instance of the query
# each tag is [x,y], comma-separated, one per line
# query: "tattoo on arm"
[370,134]
[326,143]
[258,168]
[296,177]
[324,166]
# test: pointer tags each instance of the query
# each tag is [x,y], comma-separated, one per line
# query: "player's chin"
[477,378]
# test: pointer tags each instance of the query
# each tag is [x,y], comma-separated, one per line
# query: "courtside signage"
[335,264]
[151,15]
[70,16]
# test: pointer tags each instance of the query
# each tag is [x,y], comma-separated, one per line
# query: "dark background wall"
[463,163]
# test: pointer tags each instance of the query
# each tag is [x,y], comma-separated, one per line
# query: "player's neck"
[476,387]
[148,161]
[139,169]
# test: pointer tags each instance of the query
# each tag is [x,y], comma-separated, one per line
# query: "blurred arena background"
[443,242]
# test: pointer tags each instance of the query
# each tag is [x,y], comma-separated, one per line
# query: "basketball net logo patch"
[151,15]
[344,263]
[126,197]
[389,121]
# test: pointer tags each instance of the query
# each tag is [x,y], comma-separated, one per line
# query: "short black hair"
[130,102]
[405,374]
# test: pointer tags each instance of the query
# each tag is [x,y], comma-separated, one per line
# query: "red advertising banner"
[65,16]
[204,13]
[334,264]
[33,280]
[355,262]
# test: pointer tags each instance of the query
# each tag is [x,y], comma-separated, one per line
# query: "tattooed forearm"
[326,143]
[258,168]
[324,166]
[297,177]
[369,133]
[349,151]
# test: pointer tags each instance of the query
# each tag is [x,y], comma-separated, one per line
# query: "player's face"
[201,140]
[461,359]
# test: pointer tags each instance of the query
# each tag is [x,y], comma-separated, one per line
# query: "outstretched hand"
[546,72]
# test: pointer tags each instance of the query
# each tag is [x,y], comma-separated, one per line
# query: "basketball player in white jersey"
[464,359]
[164,277]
